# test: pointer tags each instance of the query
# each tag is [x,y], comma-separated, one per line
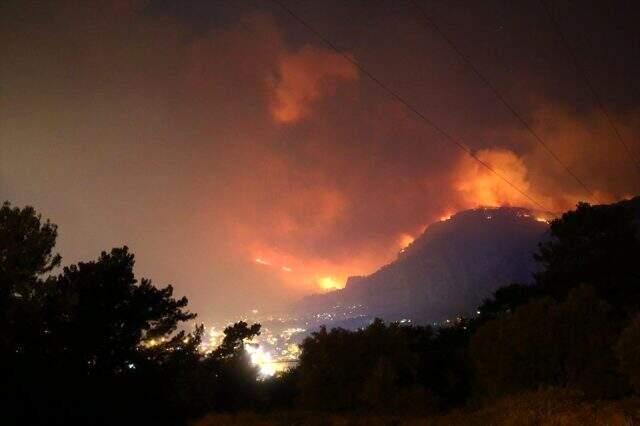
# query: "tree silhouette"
[506,299]
[230,379]
[384,368]
[26,246]
[100,319]
[628,353]
[92,345]
[336,366]
[596,245]
[546,343]
[26,255]
[234,337]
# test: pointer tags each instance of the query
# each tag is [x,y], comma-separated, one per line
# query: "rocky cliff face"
[448,270]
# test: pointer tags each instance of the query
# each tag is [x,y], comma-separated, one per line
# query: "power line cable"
[581,71]
[410,107]
[499,96]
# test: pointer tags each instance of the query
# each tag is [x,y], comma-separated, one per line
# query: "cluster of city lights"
[277,347]
[273,351]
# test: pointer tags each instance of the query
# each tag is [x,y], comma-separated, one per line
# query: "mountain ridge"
[451,267]
[448,270]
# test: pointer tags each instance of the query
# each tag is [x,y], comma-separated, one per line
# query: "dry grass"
[548,408]
[545,408]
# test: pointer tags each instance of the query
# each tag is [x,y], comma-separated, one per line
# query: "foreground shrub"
[546,343]
[628,352]
[386,369]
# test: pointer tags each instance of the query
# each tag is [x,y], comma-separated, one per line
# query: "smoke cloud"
[248,165]
[303,77]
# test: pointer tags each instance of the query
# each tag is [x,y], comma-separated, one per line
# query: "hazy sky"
[248,164]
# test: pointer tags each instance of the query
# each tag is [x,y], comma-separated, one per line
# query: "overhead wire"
[499,96]
[409,106]
[594,93]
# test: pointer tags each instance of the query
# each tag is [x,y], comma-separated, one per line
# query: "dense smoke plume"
[246,162]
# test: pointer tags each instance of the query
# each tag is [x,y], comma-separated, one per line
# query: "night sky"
[247,163]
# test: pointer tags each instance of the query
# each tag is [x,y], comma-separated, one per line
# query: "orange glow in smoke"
[446,216]
[481,187]
[472,186]
[328,283]
[405,240]
[311,274]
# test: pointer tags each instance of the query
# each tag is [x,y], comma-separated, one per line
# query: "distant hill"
[451,268]
[448,270]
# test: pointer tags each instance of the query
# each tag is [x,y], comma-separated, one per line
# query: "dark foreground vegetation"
[550,407]
[91,344]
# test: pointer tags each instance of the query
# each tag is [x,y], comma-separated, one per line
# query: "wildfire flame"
[405,240]
[328,283]
[473,186]
[446,216]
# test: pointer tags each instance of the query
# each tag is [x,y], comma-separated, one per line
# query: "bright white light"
[261,359]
